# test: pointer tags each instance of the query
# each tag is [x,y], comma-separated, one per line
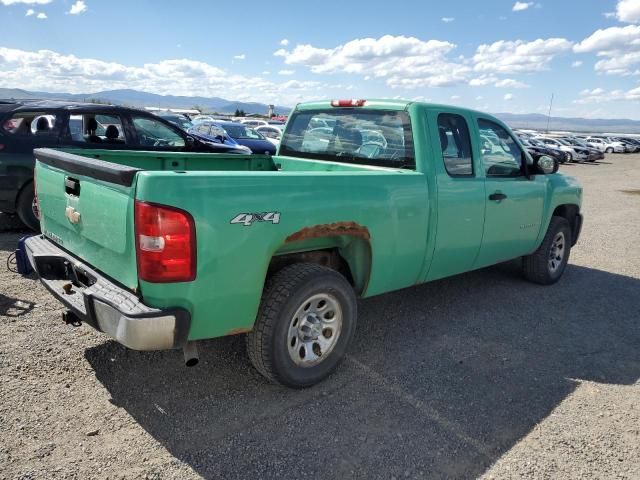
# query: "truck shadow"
[441,381]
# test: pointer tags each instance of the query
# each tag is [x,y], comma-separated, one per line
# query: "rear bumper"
[104,305]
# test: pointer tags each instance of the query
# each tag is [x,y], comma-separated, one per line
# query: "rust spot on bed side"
[330,230]
[238,331]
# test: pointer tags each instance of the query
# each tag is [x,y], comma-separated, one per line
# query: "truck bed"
[356,209]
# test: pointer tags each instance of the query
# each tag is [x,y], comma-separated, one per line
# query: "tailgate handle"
[72,186]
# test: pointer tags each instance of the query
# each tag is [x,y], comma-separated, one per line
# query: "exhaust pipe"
[190,354]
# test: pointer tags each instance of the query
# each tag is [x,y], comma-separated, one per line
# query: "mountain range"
[135,98]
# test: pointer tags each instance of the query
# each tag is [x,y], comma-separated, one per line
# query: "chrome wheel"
[314,330]
[556,254]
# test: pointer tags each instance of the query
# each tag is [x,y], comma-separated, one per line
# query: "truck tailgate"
[87,207]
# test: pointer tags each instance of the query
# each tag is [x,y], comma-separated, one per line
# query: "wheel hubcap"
[556,254]
[314,330]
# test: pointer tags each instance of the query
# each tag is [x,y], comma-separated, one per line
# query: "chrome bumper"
[100,302]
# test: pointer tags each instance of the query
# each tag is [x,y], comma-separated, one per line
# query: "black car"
[29,124]
[539,149]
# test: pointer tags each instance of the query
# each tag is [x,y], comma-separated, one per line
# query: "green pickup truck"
[159,250]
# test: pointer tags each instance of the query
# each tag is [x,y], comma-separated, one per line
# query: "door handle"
[497,196]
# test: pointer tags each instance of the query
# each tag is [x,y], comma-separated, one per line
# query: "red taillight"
[348,103]
[165,243]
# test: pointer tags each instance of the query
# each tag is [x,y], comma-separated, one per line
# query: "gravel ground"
[478,375]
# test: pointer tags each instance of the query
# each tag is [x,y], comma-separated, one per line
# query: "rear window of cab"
[351,135]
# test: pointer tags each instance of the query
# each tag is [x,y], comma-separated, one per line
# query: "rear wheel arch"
[350,256]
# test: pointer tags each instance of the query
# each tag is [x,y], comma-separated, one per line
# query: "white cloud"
[628,11]
[409,62]
[576,64]
[284,42]
[518,56]
[619,48]
[511,83]
[46,70]
[78,8]
[609,14]
[508,97]
[41,16]
[447,19]
[520,6]
[479,97]
[26,2]
[242,56]
[266,72]
[406,62]
[286,72]
[600,95]
[30,12]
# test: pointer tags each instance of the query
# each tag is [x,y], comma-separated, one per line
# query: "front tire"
[609,150]
[546,265]
[306,321]
[24,207]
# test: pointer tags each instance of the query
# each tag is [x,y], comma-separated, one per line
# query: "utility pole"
[549,115]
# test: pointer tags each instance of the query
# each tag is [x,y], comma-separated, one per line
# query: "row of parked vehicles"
[256,135]
[576,148]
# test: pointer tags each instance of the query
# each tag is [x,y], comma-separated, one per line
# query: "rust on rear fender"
[336,229]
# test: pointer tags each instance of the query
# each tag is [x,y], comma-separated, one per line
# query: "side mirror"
[190,140]
[547,164]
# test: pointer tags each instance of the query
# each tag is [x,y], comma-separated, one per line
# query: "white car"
[273,133]
[605,145]
[253,123]
[573,154]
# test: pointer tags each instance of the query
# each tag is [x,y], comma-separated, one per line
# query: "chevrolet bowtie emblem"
[72,215]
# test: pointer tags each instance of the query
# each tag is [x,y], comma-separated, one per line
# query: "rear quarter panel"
[233,259]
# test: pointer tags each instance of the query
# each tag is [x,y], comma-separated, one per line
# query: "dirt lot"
[481,374]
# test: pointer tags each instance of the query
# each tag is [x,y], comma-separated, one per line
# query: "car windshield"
[242,132]
[351,135]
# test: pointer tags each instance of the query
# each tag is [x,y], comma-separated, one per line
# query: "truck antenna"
[549,115]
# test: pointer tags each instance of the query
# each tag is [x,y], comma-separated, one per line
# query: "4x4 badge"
[247,219]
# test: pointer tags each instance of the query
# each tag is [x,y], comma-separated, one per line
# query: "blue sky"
[494,55]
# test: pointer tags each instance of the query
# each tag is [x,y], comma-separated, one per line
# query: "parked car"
[574,154]
[629,146]
[594,153]
[605,145]
[537,151]
[25,125]
[248,137]
[177,119]
[281,247]
[556,151]
[253,122]
[208,131]
[271,132]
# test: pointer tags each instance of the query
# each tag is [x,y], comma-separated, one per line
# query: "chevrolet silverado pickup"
[161,249]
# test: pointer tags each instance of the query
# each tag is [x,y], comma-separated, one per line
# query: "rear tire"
[546,265]
[569,157]
[305,323]
[24,207]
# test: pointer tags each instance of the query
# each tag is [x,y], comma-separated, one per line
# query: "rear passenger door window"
[96,129]
[501,155]
[455,144]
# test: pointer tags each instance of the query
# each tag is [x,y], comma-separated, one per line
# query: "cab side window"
[455,145]
[501,155]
